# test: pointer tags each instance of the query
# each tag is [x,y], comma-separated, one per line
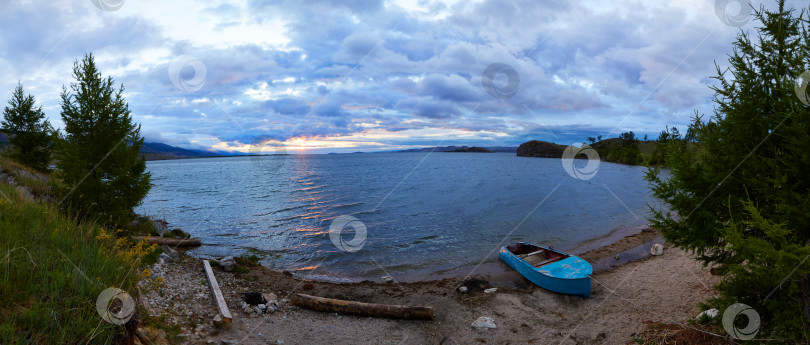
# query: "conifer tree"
[739,197]
[98,156]
[30,134]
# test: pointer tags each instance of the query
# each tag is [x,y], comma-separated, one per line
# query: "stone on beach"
[170,252]
[388,279]
[711,313]
[463,289]
[657,249]
[491,290]
[163,258]
[484,323]
[228,263]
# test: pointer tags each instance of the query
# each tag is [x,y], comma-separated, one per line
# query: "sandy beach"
[624,296]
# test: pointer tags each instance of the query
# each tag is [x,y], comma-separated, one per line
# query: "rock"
[491,290]
[160,226]
[388,279]
[25,193]
[47,199]
[484,323]
[220,323]
[463,289]
[149,335]
[270,297]
[711,313]
[646,228]
[170,252]
[228,263]
[254,298]
[280,342]
[262,307]
[229,342]
[616,257]
[657,249]
[257,309]
[163,258]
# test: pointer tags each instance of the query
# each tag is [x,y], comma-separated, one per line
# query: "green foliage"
[98,154]
[769,273]
[30,134]
[623,149]
[752,151]
[51,273]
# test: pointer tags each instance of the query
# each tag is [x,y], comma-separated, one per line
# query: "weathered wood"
[176,242]
[212,282]
[359,308]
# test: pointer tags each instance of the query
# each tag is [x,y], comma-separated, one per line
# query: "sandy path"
[662,288]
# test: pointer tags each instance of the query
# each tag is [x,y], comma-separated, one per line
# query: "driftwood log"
[175,242]
[359,308]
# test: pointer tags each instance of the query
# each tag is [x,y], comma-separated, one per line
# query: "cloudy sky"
[369,75]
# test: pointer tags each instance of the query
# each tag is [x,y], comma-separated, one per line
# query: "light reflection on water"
[452,210]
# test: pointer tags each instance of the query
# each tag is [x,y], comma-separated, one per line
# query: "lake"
[423,213]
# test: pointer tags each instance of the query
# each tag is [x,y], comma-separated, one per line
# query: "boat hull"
[568,276]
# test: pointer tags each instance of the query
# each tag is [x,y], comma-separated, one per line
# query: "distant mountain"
[472,149]
[508,149]
[159,151]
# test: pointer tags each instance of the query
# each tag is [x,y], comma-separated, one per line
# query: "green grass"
[51,272]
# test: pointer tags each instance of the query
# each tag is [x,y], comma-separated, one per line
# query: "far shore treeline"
[735,183]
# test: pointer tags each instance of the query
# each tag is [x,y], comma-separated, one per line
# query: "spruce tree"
[30,134]
[98,156]
[738,186]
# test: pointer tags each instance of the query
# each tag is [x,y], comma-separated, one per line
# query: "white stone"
[491,290]
[657,249]
[388,279]
[463,289]
[483,323]
[227,263]
[712,313]
[262,307]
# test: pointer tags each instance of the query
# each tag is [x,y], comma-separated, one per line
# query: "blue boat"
[549,268]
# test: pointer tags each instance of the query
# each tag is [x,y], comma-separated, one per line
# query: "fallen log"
[175,242]
[331,305]
[221,306]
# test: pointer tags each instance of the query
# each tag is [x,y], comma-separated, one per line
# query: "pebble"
[463,289]
[491,290]
[388,279]
[484,323]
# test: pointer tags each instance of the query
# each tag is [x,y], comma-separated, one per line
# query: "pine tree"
[30,135]
[98,154]
[738,187]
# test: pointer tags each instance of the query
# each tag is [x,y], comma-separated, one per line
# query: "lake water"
[424,213]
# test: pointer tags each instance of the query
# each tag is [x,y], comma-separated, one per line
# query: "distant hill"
[160,151]
[536,148]
[472,149]
[508,149]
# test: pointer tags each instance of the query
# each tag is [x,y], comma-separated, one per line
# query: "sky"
[372,75]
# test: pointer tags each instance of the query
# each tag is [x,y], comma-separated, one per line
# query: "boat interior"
[534,255]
